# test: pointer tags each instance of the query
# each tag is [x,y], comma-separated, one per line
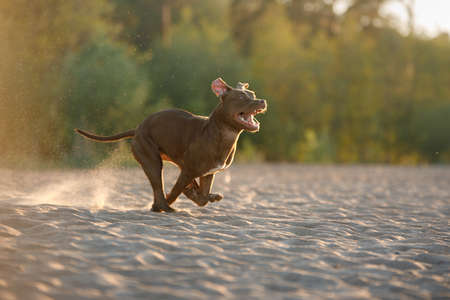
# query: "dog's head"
[239,105]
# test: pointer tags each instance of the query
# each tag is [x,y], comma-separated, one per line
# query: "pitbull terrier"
[200,146]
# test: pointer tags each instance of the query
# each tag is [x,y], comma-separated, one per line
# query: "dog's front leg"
[203,193]
[192,190]
[200,194]
[206,183]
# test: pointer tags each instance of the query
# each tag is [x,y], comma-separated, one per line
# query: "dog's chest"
[218,168]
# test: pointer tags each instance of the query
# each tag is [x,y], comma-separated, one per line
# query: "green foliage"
[315,148]
[182,68]
[36,35]
[106,90]
[431,127]
[340,88]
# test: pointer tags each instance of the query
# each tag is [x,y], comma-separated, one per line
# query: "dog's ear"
[220,87]
[242,86]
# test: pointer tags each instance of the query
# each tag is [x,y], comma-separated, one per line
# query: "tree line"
[342,86]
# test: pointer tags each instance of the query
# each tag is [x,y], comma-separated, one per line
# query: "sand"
[281,232]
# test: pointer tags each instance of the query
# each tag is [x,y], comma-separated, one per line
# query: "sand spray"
[93,189]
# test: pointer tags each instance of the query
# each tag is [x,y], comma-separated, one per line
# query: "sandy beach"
[281,232]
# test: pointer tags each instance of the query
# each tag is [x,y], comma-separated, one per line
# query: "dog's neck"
[218,125]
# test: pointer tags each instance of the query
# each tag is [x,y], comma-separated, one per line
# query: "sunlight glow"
[431,17]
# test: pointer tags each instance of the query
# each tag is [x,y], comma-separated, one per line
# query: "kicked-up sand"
[281,232]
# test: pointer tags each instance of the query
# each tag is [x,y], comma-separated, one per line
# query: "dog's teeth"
[248,119]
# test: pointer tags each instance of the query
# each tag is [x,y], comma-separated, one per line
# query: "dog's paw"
[169,209]
[160,208]
[215,197]
[156,208]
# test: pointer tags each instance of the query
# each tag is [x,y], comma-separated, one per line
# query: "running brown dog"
[199,146]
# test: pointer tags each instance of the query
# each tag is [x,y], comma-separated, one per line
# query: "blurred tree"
[144,21]
[341,87]
[432,132]
[276,64]
[198,52]
[367,13]
[429,130]
[244,16]
[317,15]
[35,37]
[106,91]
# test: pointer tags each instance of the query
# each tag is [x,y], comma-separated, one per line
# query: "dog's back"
[172,130]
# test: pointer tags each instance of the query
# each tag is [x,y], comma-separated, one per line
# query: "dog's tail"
[106,139]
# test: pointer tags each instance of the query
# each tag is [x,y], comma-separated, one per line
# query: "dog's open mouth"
[248,119]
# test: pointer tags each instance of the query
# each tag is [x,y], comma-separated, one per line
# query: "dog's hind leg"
[183,180]
[147,154]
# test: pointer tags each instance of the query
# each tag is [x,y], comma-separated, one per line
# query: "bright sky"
[431,16]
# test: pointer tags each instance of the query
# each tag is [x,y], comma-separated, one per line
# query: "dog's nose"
[263,102]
